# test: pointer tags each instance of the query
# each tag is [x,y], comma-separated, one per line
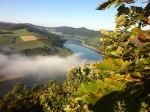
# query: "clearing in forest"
[28,38]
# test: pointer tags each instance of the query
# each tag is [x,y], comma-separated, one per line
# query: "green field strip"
[6,41]
[28,45]
[20,32]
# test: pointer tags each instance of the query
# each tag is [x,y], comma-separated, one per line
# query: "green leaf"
[139,17]
[105,32]
[105,5]
[142,51]
[146,60]
[119,3]
[88,88]
[132,35]
[137,30]
[136,74]
[121,20]
[101,88]
[125,67]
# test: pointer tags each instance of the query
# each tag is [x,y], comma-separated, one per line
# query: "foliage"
[49,97]
[125,70]
[120,83]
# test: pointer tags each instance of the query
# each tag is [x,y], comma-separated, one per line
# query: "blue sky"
[53,13]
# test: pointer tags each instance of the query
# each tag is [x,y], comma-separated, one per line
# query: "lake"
[76,47]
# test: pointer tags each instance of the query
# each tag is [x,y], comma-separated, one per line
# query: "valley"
[30,41]
[39,45]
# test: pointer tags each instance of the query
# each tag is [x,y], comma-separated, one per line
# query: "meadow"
[20,40]
[28,45]
[6,41]
[18,33]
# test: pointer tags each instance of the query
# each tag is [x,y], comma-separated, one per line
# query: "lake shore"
[85,45]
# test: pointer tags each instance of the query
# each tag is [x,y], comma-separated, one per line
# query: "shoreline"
[87,46]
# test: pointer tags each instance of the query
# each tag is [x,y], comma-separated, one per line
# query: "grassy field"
[18,39]
[6,41]
[63,52]
[17,33]
[28,45]
[93,42]
[75,36]
[20,32]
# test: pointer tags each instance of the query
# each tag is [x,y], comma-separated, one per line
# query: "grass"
[80,37]
[28,45]
[23,32]
[94,41]
[6,41]
[63,52]
[75,36]
[18,39]
[20,32]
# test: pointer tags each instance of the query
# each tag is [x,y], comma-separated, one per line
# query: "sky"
[54,13]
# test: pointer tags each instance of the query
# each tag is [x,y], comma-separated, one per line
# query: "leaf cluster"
[119,83]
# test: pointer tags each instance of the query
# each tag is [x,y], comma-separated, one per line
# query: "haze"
[16,65]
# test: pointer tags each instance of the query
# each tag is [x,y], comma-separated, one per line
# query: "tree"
[125,70]
[119,83]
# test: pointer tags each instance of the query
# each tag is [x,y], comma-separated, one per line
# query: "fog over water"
[38,69]
[32,70]
[41,66]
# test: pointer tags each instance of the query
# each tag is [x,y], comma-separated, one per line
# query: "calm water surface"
[76,47]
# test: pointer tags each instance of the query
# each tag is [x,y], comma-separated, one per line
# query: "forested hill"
[76,31]
[42,42]
[28,27]
[63,29]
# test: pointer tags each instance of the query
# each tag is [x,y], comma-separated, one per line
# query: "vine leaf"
[104,93]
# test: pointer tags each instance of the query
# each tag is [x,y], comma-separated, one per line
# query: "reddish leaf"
[141,36]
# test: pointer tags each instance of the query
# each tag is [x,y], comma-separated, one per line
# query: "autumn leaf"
[141,36]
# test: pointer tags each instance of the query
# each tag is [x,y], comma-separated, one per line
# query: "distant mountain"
[36,26]
[82,31]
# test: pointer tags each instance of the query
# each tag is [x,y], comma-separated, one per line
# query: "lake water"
[76,47]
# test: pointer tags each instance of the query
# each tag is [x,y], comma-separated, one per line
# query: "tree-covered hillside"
[76,31]
[45,43]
